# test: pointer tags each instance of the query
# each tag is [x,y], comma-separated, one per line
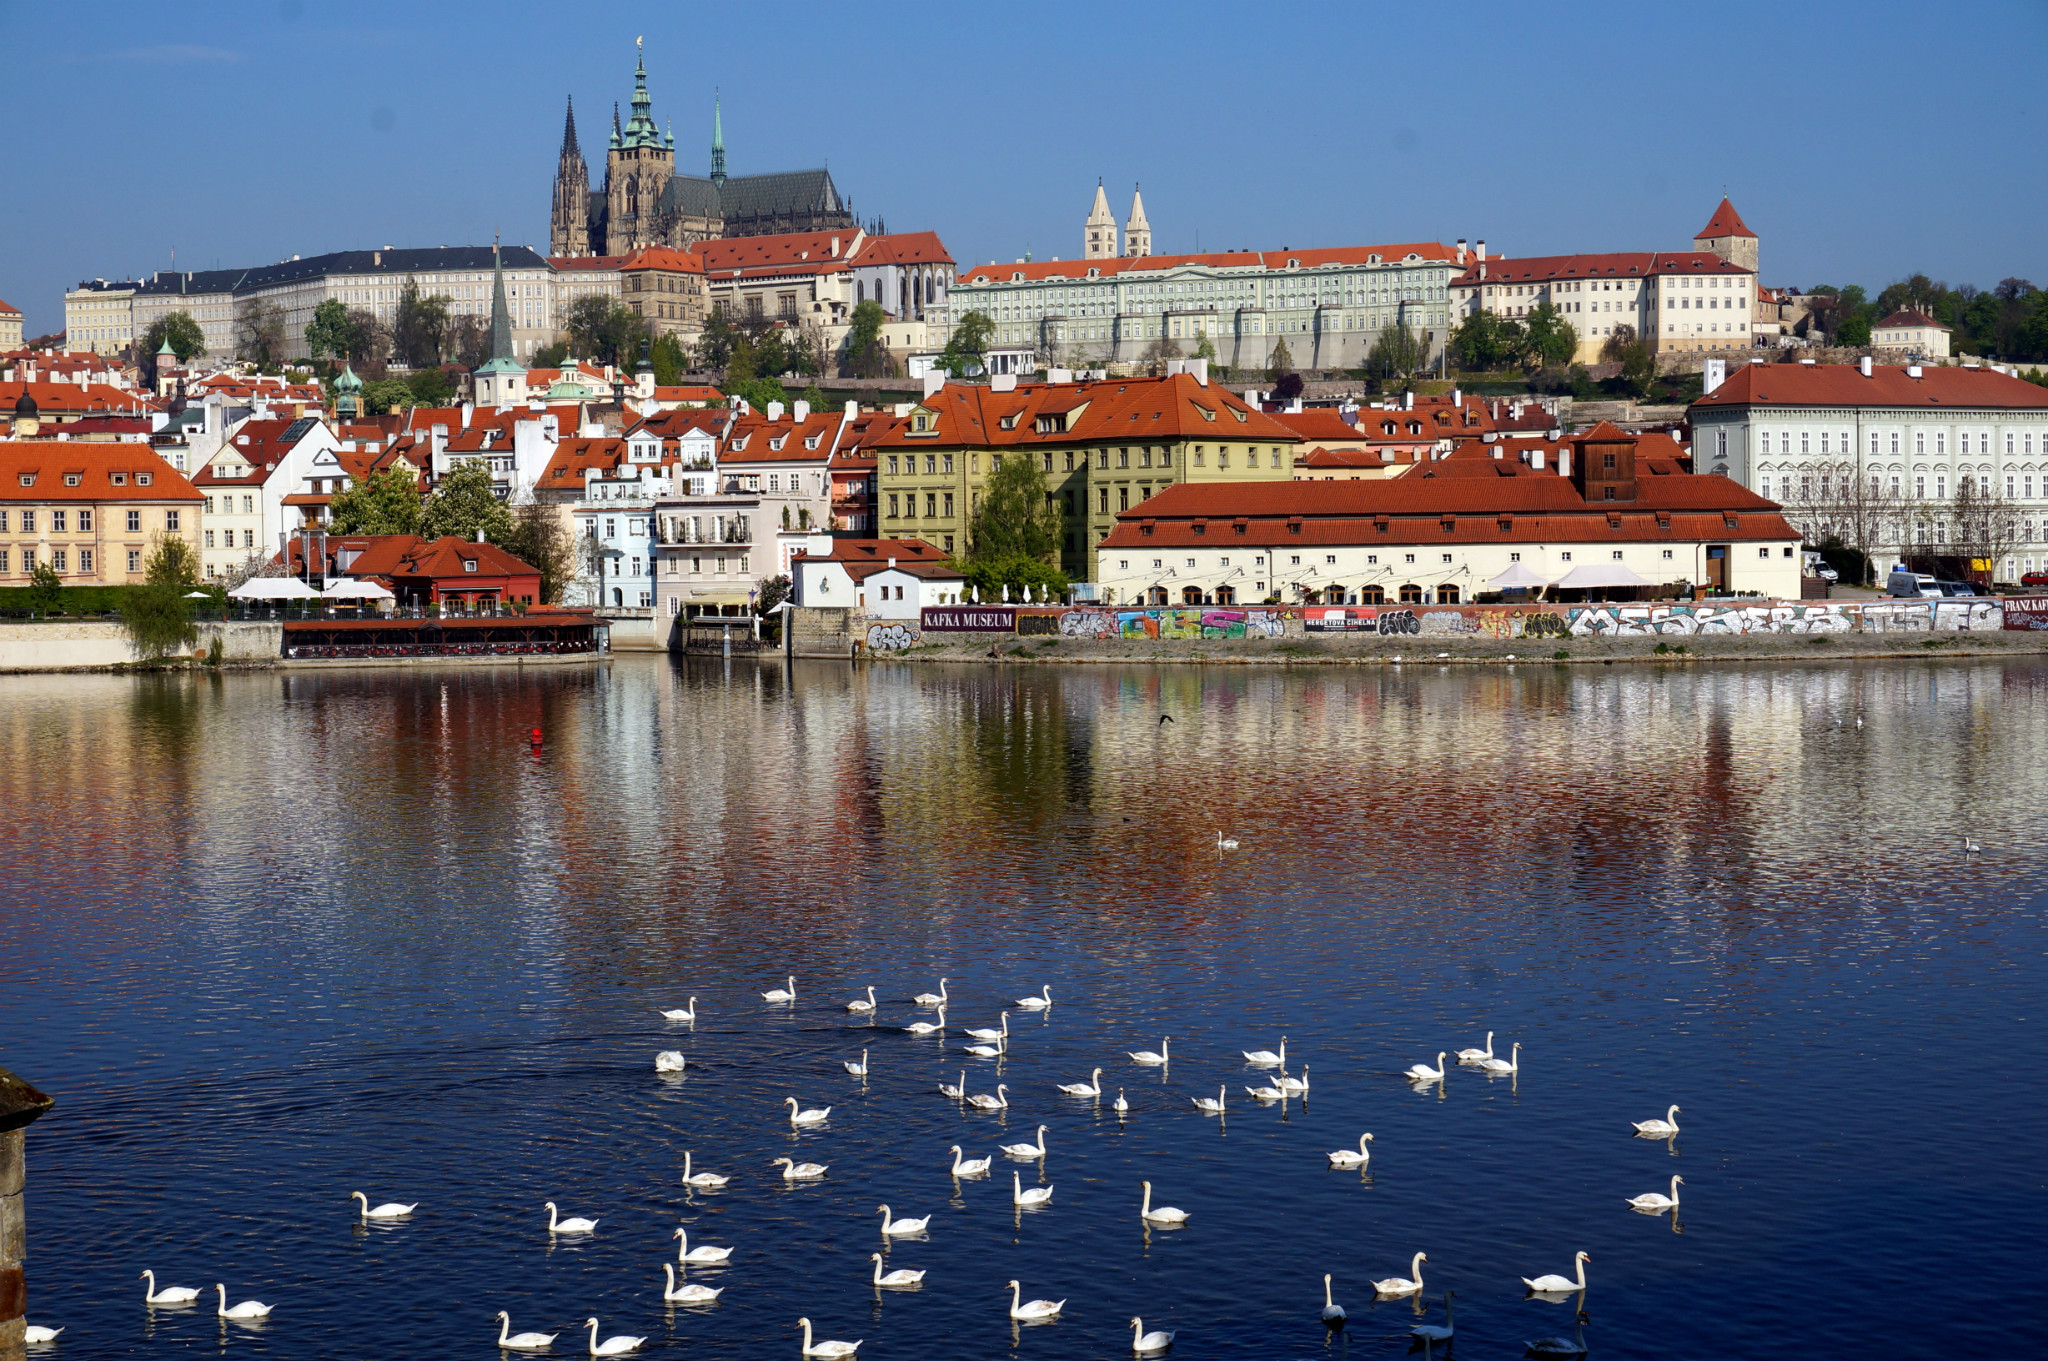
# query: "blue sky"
[1860,141]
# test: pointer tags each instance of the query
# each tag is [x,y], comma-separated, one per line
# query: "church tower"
[1729,237]
[638,168]
[1137,231]
[569,223]
[1099,235]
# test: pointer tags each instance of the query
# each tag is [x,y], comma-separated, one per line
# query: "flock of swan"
[993,1042]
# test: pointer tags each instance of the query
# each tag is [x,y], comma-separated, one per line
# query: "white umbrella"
[199,595]
[1517,576]
[1597,574]
[274,588]
[347,588]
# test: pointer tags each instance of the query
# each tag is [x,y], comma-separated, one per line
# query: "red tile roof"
[1130,409]
[575,457]
[65,400]
[879,551]
[52,463]
[689,392]
[753,436]
[1271,259]
[904,248]
[802,251]
[1725,222]
[1823,385]
[1908,317]
[662,257]
[407,555]
[1502,269]
[9,308]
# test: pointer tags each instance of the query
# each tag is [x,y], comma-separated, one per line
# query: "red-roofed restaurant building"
[1621,516]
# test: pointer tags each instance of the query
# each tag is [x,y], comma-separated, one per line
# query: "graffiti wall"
[891,637]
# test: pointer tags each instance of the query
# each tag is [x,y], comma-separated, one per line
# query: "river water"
[272,939]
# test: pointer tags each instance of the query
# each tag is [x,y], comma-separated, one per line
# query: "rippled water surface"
[273,939]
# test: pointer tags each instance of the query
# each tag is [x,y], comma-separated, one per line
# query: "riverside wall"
[95,645]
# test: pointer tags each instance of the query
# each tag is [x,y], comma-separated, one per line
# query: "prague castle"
[644,202]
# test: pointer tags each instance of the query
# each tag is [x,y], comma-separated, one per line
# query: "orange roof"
[753,438]
[575,458]
[812,250]
[1626,264]
[9,308]
[904,248]
[69,400]
[1824,385]
[662,257]
[407,555]
[689,392]
[1271,259]
[53,464]
[1131,409]
[1725,222]
[1908,317]
[878,551]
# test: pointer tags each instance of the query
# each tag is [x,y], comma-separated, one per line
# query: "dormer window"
[118,479]
[142,479]
[917,423]
[72,479]
[777,442]
[1008,422]
[28,479]
[469,564]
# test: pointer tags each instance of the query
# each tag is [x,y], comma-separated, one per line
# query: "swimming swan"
[928,1027]
[799,1171]
[1267,1056]
[245,1310]
[390,1209]
[170,1294]
[932,999]
[787,994]
[687,1294]
[1038,1003]
[970,1167]
[1225,843]
[992,1050]
[1656,1202]
[1344,1157]
[1208,1107]
[1265,1093]
[1575,1345]
[1295,1085]
[1036,1150]
[799,1116]
[1333,1312]
[36,1332]
[900,1228]
[1477,1055]
[857,1069]
[982,1102]
[688,1013]
[895,1280]
[1146,1056]
[1036,1309]
[611,1346]
[1559,1285]
[955,1090]
[522,1342]
[1397,1285]
[1143,1342]
[556,1224]
[706,1179]
[670,1061]
[1511,1064]
[858,1004]
[1659,1129]
[1422,1072]
[1164,1214]
[1020,1195]
[827,1348]
[703,1256]
[986,1034]
[1092,1087]
[1119,1105]
[1438,1332]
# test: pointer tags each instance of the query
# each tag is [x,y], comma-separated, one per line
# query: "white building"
[882,578]
[1911,333]
[99,316]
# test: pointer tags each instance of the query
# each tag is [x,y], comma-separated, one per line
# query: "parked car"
[1827,573]
[2035,579]
[1911,585]
[1956,588]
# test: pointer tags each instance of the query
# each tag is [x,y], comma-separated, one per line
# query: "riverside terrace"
[541,633]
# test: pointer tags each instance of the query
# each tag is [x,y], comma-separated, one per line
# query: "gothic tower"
[717,142]
[638,168]
[1137,231]
[1099,235]
[569,223]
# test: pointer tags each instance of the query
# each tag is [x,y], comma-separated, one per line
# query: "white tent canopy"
[274,588]
[1517,576]
[1597,574]
[347,588]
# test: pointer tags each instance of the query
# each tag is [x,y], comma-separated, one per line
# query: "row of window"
[227,538]
[2016,442]
[60,560]
[2016,488]
[227,505]
[60,521]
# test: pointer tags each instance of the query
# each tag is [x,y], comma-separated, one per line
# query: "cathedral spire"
[640,129]
[501,311]
[569,142]
[1137,231]
[1099,233]
[717,140]
[615,125]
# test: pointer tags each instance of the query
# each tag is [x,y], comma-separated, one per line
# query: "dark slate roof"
[392,262]
[743,196]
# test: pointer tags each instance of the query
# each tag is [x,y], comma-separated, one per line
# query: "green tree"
[1017,514]
[1398,352]
[1204,347]
[1479,344]
[670,360]
[540,540]
[814,396]
[172,561]
[1552,339]
[603,329]
[45,590]
[968,344]
[715,343]
[187,340]
[387,394]
[866,356]
[1853,332]
[259,331]
[418,326]
[383,503]
[989,576]
[1282,362]
[156,614]
[552,356]
[773,591]
[430,387]
[332,331]
[464,504]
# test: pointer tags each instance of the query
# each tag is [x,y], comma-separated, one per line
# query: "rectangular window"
[1123,458]
[28,522]
[85,522]
[892,465]
[3,522]
[171,521]
[209,538]
[1102,496]
[3,562]
[1222,456]
[1102,458]
[248,538]
[85,559]
[949,505]
[892,505]
[1166,458]
[134,559]
[931,505]
[949,463]
[1123,498]
[59,559]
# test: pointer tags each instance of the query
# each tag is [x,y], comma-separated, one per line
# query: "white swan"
[1225,843]
[1422,1072]
[688,1013]
[1294,1085]
[826,1348]
[1036,1150]
[1164,1214]
[618,1345]
[1558,1285]
[1333,1312]
[799,1116]
[983,1102]
[929,1027]
[1655,1201]
[687,1294]
[703,1256]
[522,1342]
[1267,1056]
[932,999]
[857,1069]
[1403,1285]
[1659,1129]
[246,1309]
[895,1280]
[1344,1157]
[670,1061]
[390,1209]
[1477,1055]
[955,1090]
[1439,1332]
[970,1167]
[787,994]
[1144,1343]
[1208,1107]
[987,1034]
[1038,1003]
[858,1004]
[1265,1093]
[36,1332]
[900,1228]
[170,1294]
[706,1179]
[985,1051]
[1092,1087]
[792,1171]
[1022,1195]
[1119,1105]
[556,1224]
[1147,1057]
[1511,1064]
[1036,1309]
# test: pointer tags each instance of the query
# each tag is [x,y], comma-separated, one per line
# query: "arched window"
[1191,595]
[1411,594]
[1156,596]
[1226,595]
[1446,595]
[1334,594]
[1372,595]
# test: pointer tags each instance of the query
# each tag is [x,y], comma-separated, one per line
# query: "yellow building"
[92,511]
[1102,446]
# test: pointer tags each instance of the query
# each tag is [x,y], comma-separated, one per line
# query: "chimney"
[1461,250]
[1003,382]
[1458,394]
[1480,252]
[933,381]
[800,412]
[774,412]
[1059,375]
[468,410]
[1714,374]
[892,563]
[1863,366]
[835,248]
[1912,370]
[1564,463]
[1200,369]
[1408,400]
[1536,459]
[1174,366]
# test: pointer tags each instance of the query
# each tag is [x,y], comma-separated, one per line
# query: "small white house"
[884,578]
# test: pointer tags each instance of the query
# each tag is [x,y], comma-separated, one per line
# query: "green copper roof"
[568,389]
[348,382]
[640,130]
[165,348]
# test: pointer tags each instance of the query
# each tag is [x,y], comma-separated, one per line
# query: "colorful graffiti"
[1088,624]
[891,637]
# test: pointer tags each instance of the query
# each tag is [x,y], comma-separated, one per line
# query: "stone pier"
[20,1104]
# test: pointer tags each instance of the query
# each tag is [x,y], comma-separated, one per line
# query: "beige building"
[1913,333]
[10,326]
[91,511]
[99,317]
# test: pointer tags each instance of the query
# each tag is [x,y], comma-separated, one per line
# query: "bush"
[158,618]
